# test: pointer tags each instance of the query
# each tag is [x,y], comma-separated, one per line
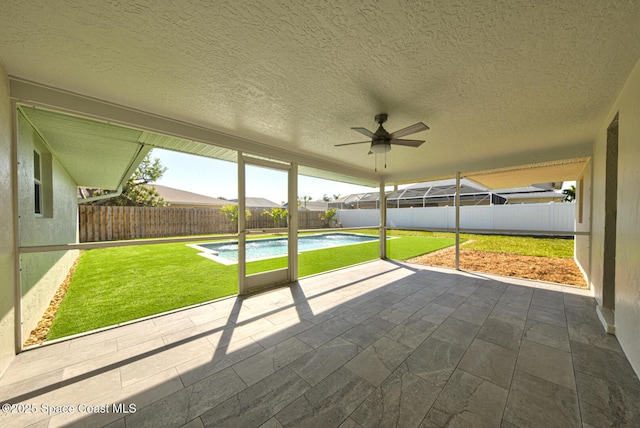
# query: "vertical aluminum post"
[293,222]
[242,224]
[383,222]
[457,203]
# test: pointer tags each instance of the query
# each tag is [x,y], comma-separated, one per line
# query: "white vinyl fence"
[550,217]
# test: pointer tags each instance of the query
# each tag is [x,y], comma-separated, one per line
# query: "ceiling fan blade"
[365,131]
[349,144]
[416,127]
[410,143]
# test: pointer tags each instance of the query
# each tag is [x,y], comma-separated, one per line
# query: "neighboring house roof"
[314,206]
[256,203]
[182,197]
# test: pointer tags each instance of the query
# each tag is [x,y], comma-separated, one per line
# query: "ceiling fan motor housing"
[381,118]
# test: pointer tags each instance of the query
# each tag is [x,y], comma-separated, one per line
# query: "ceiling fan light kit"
[381,140]
[379,147]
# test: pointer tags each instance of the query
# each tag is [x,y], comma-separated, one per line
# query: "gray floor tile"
[115,424]
[468,400]
[350,423]
[500,332]
[471,313]
[535,402]
[450,300]
[329,403]
[512,314]
[574,300]
[320,363]
[490,362]
[456,332]
[546,363]
[205,365]
[258,403]
[188,403]
[549,315]
[547,334]
[584,326]
[402,400]
[269,361]
[412,332]
[399,311]
[487,301]
[379,360]
[195,423]
[465,288]
[272,423]
[515,299]
[435,360]
[434,313]
[320,334]
[21,369]
[281,332]
[602,363]
[441,364]
[164,359]
[547,298]
[164,329]
[606,403]
[368,332]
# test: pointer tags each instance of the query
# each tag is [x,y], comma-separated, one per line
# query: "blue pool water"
[258,249]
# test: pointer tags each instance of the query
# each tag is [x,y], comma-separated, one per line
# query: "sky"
[217,178]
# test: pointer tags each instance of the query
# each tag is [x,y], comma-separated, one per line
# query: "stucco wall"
[627,302]
[7,260]
[627,263]
[42,273]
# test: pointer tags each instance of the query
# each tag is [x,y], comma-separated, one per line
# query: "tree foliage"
[304,199]
[570,194]
[138,190]
[278,215]
[329,216]
[231,211]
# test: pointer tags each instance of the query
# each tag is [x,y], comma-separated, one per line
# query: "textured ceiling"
[499,82]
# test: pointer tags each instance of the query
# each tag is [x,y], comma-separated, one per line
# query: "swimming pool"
[259,249]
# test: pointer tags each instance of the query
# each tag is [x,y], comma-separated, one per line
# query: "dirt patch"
[561,271]
[39,334]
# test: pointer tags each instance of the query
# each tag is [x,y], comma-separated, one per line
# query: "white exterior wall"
[627,300]
[42,273]
[557,217]
[7,254]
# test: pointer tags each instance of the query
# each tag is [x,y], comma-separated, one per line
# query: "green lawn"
[521,245]
[116,285]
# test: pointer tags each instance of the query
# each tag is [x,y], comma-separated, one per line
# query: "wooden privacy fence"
[104,223]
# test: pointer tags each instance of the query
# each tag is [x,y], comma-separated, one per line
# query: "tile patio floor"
[379,344]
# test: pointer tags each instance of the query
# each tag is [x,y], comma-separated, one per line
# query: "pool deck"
[377,344]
